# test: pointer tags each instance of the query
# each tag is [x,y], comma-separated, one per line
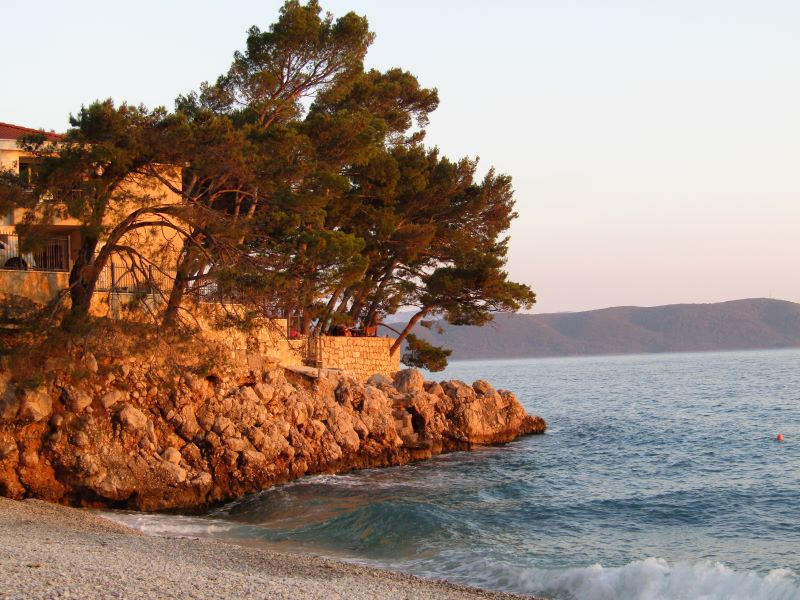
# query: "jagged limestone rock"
[180,441]
[111,398]
[409,380]
[90,362]
[132,419]
[36,405]
[75,398]
[9,404]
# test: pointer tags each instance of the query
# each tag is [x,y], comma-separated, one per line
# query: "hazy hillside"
[736,325]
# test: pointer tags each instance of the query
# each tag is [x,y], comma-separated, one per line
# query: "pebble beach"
[52,551]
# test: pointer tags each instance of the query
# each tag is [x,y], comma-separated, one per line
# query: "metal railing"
[208,290]
[54,255]
[122,279]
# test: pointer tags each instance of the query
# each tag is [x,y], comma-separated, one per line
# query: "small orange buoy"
[779,437]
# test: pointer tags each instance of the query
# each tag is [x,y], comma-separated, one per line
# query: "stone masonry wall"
[360,356]
[363,357]
[39,286]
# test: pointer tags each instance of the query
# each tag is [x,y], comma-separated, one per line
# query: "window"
[27,171]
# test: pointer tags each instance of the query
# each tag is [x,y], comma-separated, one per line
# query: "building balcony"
[54,255]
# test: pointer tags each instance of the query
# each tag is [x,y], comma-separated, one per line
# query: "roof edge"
[7,129]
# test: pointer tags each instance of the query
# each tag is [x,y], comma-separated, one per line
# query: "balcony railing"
[121,279]
[54,255]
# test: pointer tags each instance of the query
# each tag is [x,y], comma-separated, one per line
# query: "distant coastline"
[523,359]
[751,324]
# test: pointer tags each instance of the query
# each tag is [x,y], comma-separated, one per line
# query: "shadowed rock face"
[134,437]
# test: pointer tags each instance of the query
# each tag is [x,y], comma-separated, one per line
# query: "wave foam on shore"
[648,579]
[49,551]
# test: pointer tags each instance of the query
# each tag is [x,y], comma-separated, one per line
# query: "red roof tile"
[14,132]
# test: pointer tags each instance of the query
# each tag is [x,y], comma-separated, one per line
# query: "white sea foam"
[655,579]
[170,525]
[649,579]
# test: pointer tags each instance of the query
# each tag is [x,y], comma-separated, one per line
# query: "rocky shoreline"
[118,428]
[50,551]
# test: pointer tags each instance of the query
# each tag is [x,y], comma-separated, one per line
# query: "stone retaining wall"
[363,356]
[38,286]
[360,356]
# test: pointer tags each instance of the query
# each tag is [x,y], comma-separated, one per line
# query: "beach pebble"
[59,552]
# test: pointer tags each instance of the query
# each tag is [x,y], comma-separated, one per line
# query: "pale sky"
[654,146]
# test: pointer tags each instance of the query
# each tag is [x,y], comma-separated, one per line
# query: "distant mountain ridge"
[757,323]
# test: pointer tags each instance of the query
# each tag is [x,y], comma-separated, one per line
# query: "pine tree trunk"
[411,323]
[179,286]
[342,308]
[176,295]
[324,321]
[82,279]
[372,313]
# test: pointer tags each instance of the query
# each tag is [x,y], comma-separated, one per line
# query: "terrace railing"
[53,256]
[121,279]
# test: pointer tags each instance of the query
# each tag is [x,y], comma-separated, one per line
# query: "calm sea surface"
[659,477]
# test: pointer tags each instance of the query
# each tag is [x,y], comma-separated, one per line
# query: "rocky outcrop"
[133,433]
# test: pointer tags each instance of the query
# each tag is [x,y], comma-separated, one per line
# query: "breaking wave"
[172,525]
[649,579]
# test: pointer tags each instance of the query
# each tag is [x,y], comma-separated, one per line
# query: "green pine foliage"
[423,354]
[306,185]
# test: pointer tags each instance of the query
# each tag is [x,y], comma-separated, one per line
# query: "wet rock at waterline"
[147,440]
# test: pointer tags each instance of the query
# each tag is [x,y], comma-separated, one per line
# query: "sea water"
[659,478]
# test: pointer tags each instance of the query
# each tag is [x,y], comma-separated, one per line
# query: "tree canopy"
[304,187]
